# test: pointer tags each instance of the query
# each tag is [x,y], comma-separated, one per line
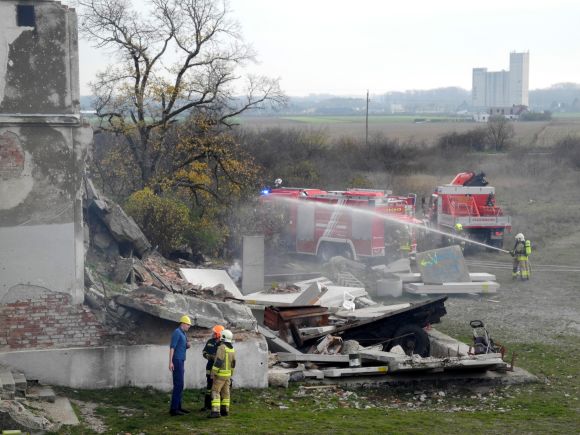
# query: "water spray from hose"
[375,214]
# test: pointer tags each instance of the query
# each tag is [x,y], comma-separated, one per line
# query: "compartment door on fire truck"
[305,224]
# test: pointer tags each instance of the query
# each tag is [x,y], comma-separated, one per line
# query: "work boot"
[175,412]
[224,411]
[214,414]
[206,403]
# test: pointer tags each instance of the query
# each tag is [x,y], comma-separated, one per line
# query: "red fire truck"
[469,201]
[354,223]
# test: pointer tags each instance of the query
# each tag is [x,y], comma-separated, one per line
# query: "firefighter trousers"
[521,267]
[220,393]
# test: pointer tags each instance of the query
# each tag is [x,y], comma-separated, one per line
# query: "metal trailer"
[404,327]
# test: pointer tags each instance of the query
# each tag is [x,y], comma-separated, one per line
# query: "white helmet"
[278,182]
[227,336]
[520,237]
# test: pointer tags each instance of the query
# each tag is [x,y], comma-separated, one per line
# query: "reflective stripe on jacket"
[225,361]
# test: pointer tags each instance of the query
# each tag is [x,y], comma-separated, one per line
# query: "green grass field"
[550,406]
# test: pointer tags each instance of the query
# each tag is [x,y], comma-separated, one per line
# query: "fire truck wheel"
[346,252]
[325,252]
[413,339]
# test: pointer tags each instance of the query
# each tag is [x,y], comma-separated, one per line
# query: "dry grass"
[536,134]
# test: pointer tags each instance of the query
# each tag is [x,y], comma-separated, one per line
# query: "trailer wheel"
[413,339]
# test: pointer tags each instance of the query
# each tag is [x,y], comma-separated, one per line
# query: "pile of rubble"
[127,278]
[18,396]
[331,330]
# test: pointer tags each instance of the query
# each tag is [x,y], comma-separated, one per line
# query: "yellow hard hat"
[185,319]
[458,226]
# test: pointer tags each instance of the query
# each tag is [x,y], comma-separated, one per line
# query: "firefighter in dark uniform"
[209,352]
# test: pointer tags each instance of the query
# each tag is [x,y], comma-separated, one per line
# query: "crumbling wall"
[44,319]
[43,146]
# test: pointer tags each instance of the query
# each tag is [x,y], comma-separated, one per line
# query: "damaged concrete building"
[46,330]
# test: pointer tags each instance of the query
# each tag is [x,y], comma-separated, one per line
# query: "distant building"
[502,88]
[519,78]
[512,113]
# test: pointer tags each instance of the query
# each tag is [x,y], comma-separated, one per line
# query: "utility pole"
[367,123]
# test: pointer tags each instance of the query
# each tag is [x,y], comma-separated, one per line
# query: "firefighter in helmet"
[221,373]
[404,240]
[209,351]
[520,253]
[458,232]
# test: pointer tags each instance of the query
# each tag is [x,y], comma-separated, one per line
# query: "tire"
[346,252]
[325,252]
[413,339]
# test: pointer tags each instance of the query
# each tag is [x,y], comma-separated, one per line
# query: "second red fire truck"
[355,223]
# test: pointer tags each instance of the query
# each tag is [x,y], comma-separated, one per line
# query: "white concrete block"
[452,287]
[211,278]
[360,371]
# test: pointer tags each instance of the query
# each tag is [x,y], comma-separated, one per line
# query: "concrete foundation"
[138,366]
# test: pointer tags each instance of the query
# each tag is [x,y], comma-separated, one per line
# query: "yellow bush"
[165,221]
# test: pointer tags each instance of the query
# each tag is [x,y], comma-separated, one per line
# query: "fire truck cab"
[469,201]
[350,223]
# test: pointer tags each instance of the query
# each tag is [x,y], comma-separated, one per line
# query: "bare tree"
[178,59]
[500,132]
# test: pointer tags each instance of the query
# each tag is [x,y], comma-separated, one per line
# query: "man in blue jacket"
[177,348]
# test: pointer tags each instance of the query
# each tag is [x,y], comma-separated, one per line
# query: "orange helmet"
[217,330]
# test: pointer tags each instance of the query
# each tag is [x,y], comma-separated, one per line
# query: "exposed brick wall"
[47,321]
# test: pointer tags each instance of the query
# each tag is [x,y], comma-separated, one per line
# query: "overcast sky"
[345,47]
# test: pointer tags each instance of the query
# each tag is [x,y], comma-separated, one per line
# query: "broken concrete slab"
[41,393]
[322,280]
[402,265]
[370,312]
[15,416]
[442,345]
[443,265]
[310,296]
[467,379]
[391,287]
[336,295]
[20,384]
[313,293]
[452,288]
[7,386]
[381,356]
[313,373]
[171,306]
[275,343]
[313,357]
[475,277]
[359,371]
[210,278]
[60,411]
[452,363]
[121,226]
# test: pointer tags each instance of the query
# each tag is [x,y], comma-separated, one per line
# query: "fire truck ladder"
[463,209]
[334,217]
